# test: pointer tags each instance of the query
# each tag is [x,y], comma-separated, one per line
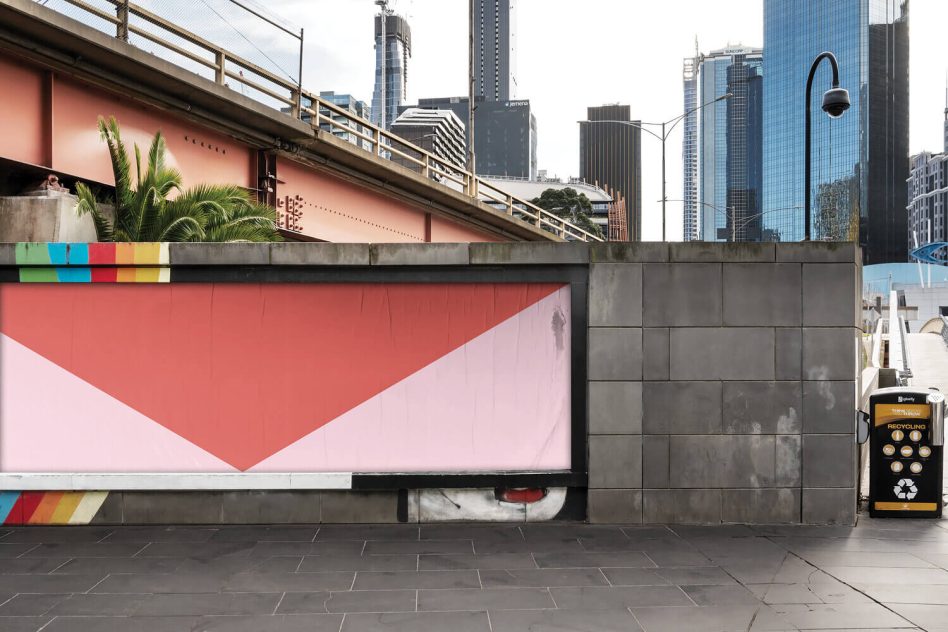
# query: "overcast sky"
[572,54]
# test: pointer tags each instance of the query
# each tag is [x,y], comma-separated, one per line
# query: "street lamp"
[835,102]
[663,137]
[730,212]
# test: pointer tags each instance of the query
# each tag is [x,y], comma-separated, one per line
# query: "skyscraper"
[859,161]
[505,134]
[610,156]
[689,150]
[391,67]
[494,49]
[439,132]
[729,145]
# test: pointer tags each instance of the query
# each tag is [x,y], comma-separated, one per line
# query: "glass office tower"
[391,66]
[730,145]
[859,161]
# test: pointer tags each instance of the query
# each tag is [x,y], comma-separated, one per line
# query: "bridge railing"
[229,69]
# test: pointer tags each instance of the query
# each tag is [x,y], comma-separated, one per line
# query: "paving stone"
[681,408]
[887,575]
[271,623]
[93,604]
[144,535]
[829,616]
[615,295]
[629,559]
[108,565]
[60,534]
[383,580]
[682,294]
[85,549]
[655,350]
[695,576]
[196,550]
[32,565]
[721,461]
[256,533]
[829,353]
[828,407]
[367,532]
[484,599]
[468,562]
[712,353]
[348,601]
[615,354]
[27,605]
[720,595]
[614,506]
[610,597]
[542,577]
[324,563]
[615,462]
[288,582]
[620,620]
[757,294]
[119,624]
[421,547]
[830,295]
[710,618]
[615,408]
[763,407]
[677,558]
[417,622]
[48,584]
[829,461]
[929,617]
[208,604]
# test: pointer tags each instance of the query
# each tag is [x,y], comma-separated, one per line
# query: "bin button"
[907,451]
[916,467]
[897,435]
[888,449]
[896,466]
[915,436]
[924,451]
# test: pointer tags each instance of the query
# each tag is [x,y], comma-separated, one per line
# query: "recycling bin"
[906,438]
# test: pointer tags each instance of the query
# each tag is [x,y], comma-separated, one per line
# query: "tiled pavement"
[880,575]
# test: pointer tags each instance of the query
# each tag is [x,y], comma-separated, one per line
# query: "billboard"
[211,378]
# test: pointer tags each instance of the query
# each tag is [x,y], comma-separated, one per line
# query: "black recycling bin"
[906,435]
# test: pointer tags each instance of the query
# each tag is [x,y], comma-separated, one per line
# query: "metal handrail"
[381,142]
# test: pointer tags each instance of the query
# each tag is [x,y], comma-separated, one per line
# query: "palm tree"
[206,212]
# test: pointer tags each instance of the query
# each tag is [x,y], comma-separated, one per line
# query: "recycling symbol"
[905,489]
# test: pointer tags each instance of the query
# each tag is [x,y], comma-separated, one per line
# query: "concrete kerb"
[739,252]
[315,254]
[575,252]
[210,254]
[629,252]
[818,252]
[441,254]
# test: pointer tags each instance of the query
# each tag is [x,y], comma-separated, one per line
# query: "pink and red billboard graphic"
[278,377]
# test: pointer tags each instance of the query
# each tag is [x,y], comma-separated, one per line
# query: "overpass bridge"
[242,125]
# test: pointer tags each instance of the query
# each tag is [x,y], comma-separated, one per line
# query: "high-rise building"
[342,124]
[729,145]
[689,150]
[439,132]
[495,50]
[391,66]
[505,134]
[610,156]
[928,199]
[860,160]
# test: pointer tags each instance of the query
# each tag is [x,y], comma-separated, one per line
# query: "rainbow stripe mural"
[93,263]
[75,508]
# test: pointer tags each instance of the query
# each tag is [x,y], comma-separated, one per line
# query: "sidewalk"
[880,575]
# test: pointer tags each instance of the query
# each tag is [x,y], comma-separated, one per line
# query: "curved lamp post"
[835,102]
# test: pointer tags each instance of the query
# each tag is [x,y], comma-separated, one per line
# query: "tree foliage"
[146,211]
[570,205]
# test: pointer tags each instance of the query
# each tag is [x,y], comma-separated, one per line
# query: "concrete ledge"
[819,252]
[214,254]
[419,254]
[318,254]
[740,252]
[530,253]
[629,252]
[7,254]
[359,507]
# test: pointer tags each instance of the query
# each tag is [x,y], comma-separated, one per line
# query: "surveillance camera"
[835,102]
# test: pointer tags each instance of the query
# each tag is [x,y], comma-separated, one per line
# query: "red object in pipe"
[521,495]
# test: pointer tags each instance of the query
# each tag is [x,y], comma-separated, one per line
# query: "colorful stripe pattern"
[78,262]
[50,507]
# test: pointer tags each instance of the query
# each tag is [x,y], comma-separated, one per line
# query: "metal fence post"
[121,12]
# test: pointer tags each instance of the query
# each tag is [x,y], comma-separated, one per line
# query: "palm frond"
[88,204]
[121,170]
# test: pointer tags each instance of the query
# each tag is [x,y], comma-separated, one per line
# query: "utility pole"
[383,96]
[470,97]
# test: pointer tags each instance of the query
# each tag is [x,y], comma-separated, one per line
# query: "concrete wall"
[43,218]
[722,383]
